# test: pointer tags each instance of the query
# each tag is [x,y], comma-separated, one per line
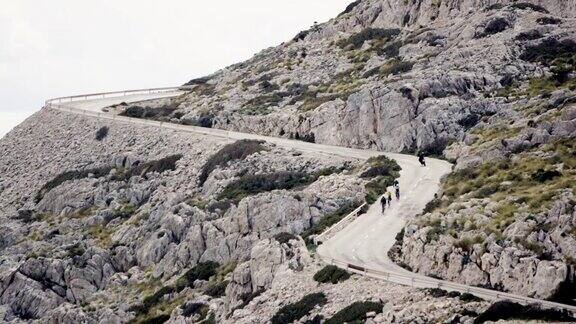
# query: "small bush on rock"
[252,184]
[217,290]
[350,7]
[102,133]
[381,166]
[190,309]
[202,271]
[238,150]
[295,311]
[284,237]
[548,21]
[332,274]
[494,26]
[467,297]
[506,310]
[531,6]
[357,40]
[355,312]
[164,164]
[69,176]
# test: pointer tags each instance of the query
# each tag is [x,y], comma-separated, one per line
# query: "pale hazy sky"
[65,47]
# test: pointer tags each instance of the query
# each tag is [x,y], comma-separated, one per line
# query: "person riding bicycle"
[421,159]
[383,204]
[388,198]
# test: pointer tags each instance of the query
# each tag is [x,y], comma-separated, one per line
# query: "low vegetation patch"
[331,274]
[202,271]
[295,311]
[327,221]
[530,6]
[357,40]
[217,290]
[191,309]
[494,26]
[382,171]
[252,184]
[532,181]
[164,113]
[507,310]
[393,67]
[69,176]
[355,312]
[285,237]
[350,7]
[238,150]
[162,165]
[102,133]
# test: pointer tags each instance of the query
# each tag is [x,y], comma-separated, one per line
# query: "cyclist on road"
[421,159]
[388,197]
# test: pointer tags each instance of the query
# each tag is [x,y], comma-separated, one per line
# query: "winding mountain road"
[359,243]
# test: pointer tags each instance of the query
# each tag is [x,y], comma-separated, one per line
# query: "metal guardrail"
[408,278]
[418,281]
[124,93]
[338,226]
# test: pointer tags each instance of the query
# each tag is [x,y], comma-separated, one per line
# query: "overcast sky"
[65,47]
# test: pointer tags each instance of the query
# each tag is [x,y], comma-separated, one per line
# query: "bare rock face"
[524,260]
[95,228]
[267,259]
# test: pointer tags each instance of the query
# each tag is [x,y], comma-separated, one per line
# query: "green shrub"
[284,237]
[162,318]
[260,105]
[436,292]
[467,297]
[217,290]
[247,298]
[164,164]
[75,250]
[542,175]
[202,271]
[102,133]
[293,312]
[332,274]
[531,6]
[395,67]
[549,50]
[190,309]
[548,21]
[69,176]
[357,40]
[494,26]
[355,312]
[238,150]
[350,7]
[507,310]
[252,184]
[161,113]
[381,166]
[151,300]
[391,50]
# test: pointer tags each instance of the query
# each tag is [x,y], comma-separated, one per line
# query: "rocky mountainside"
[111,222]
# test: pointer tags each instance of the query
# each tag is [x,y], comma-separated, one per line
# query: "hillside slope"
[115,222]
